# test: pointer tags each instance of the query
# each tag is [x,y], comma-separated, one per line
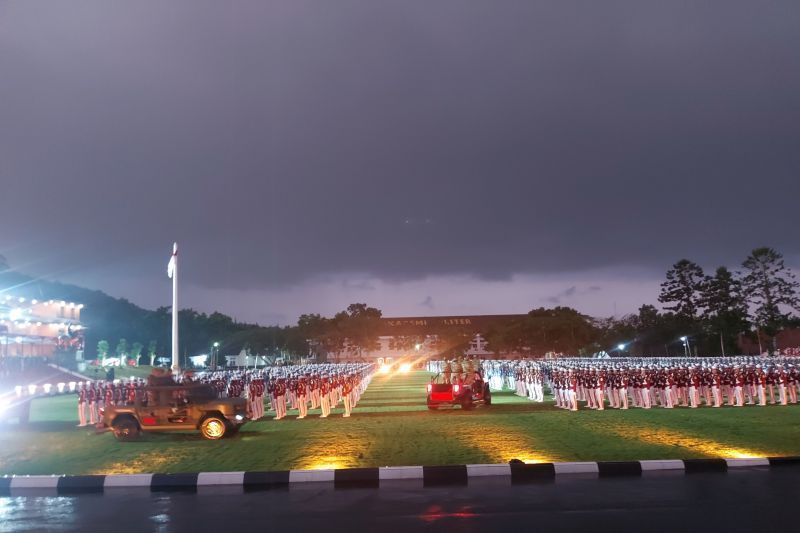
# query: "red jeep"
[467,393]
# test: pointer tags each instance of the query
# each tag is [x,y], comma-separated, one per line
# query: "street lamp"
[214,353]
[687,349]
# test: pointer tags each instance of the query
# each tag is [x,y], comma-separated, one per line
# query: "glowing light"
[506,444]
[405,368]
[620,347]
[417,347]
[18,390]
[72,386]
[697,445]
[384,369]
[47,387]
[32,388]
[15,314]
[21,299]
[34,302]
[60,387]
[683,338]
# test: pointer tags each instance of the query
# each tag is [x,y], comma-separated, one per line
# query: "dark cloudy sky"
[428,157]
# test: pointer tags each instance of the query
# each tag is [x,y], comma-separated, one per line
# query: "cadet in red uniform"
[271,393]
[646,383]
[791,381]
[108,399]
[82,400]
[279,394]
[572,398]
[131,393]
[738,387]
[347,387]
[91,394]
[302,403]
[251,398]
[694,387]
[259,397]
[324,398]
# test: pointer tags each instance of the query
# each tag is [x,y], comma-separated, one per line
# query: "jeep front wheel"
[213,428]
[126,429]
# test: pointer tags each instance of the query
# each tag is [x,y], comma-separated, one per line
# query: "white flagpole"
[176,366]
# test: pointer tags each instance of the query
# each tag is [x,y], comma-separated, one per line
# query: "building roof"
[430,325]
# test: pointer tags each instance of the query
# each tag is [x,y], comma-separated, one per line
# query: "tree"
[561,329]
[682,290]
[725,309]
[309,337]
[769,286]
[122,350]
[151,352]
[102,349]
[136,351]
[505,338]
[452,341]
[361,326]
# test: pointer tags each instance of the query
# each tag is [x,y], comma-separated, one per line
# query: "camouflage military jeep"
[177,408]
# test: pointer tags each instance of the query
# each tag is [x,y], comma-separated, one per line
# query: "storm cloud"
[288,143]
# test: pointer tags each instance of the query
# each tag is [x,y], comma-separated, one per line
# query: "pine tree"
[769,287]
[682,290]
[725,308]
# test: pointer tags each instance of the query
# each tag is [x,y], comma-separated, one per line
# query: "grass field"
[120,372]
[392,426]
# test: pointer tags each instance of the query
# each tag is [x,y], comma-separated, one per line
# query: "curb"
[427,476]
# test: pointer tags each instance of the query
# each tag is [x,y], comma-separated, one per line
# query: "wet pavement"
[739,500]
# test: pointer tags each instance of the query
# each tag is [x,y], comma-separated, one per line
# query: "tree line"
[713,311]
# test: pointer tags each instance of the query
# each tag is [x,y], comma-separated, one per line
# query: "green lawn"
[120,372]
[391,426]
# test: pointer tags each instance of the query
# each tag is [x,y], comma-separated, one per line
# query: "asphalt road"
[740,500]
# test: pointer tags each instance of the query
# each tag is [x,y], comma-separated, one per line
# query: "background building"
[420,336]
[33,328]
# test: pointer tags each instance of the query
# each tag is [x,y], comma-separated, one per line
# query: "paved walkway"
[742,500]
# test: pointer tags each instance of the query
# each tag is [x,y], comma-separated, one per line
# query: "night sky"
[426,157]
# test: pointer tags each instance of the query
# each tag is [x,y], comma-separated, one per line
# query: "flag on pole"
[172,259]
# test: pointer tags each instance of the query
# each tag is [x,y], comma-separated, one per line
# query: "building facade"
[419,337]
[33,328]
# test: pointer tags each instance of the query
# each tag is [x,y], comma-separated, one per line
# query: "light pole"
[214,353]
[687,350]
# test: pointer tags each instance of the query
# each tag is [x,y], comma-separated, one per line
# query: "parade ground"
[391,426]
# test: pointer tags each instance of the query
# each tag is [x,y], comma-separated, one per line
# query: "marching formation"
[295,388]
[647,382]
[668,384]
